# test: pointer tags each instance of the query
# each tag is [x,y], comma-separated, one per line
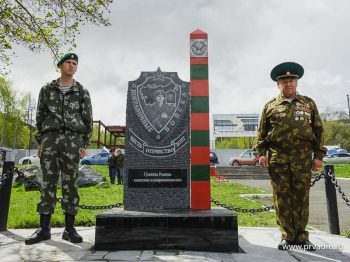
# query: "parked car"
[213,159]
[98,159]
[249,157]
[34,159]
[335,151]
[338,158]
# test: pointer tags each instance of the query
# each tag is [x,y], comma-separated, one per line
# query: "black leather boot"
[284,245]
[42,233]
[70,234]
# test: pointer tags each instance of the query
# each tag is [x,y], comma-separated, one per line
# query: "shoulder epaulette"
[270,101]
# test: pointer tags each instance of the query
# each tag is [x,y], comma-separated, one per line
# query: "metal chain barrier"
[100,207]
[317,178]
[59,199]
[21,175]
[244,210]
[338,188]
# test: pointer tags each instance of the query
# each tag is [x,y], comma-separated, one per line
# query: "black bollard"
[332,207]
[5,195]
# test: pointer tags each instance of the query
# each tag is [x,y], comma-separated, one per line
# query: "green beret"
[287,70]
[66,57]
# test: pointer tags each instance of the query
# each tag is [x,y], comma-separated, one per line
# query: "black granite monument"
[157,145]
[157,212]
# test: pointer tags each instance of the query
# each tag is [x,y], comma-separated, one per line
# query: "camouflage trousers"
[291,188]
[59,157]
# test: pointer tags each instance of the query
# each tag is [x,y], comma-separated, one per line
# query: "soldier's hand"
[263,162]
[316,164]
[82,152]
[39,151]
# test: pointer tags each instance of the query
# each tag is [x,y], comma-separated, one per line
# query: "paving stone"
[147,255]
[123,256]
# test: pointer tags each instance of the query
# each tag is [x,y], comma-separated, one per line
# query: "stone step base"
[214,230]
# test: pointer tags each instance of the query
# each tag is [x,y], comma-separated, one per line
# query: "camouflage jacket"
[70,112]
[294,129]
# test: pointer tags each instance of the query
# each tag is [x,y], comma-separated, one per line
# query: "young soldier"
[291,132]
[64,124]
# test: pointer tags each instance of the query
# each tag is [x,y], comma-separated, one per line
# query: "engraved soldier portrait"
[161,111]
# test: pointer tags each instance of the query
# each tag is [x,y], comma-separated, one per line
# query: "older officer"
[64,123]
[290,144]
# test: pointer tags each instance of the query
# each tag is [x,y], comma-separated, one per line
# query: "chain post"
[5,193]
[332,206]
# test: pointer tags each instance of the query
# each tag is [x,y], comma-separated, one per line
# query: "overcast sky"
[247,38]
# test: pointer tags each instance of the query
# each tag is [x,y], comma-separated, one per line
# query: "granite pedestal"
[213,230]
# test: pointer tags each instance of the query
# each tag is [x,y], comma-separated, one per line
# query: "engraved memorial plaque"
[157,151]
[153,178]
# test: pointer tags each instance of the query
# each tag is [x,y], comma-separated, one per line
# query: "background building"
[235,125]
[233,134]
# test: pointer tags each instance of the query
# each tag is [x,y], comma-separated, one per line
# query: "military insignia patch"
[199,48]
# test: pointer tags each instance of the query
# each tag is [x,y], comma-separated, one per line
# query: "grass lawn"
[342,170]
[23,214]
[229,194]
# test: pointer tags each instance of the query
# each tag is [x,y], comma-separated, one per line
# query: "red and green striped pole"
[200,148]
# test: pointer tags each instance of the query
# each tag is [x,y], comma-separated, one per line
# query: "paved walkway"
[318,202]
[257,244]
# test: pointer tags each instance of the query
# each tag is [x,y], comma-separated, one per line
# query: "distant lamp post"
[348,105]
[30,123]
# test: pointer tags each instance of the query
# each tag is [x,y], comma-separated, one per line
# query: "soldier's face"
[69,67]
[160,98]
[288,87]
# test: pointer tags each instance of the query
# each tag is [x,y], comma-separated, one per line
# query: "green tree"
[45,24]
[330,114]
[94,137]
[337,132]
[7,106]
[336,128]
[14,131]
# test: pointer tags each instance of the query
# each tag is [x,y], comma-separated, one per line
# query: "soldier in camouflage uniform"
[64,123]
[291,136]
